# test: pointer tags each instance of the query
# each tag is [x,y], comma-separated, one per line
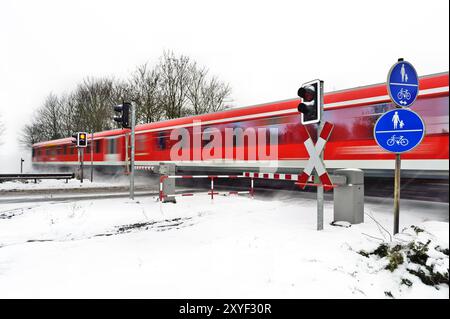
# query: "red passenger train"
[353,113]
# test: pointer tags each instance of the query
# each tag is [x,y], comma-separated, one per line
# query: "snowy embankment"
[53,184]
[233,247]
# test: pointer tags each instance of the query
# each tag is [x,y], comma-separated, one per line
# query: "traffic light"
[82,139]
[311,101]
[124,114]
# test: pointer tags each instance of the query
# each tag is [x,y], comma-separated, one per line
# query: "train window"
[97,146]
[33,153]
[112,146]
[65,149]
[161,141]
[47,151]
[140,142]
[72,149]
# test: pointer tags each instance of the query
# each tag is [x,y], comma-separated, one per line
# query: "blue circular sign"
[399,130]
[403,84]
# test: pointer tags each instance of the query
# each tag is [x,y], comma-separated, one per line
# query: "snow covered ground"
[51,184]
[232,247]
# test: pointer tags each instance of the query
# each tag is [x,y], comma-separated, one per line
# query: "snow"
[231,247]
[51,184]
[54,184]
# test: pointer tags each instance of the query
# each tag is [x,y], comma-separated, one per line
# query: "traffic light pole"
[81,162]
[133,124]
[317,180]
[92,156]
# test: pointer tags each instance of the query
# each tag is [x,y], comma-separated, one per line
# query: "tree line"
[175,87]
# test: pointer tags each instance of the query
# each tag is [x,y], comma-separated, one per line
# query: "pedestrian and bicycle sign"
[399,130]
[403,84]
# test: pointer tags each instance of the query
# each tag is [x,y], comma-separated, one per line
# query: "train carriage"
[353,113]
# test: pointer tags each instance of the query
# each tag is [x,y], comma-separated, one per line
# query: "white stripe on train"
[428,164]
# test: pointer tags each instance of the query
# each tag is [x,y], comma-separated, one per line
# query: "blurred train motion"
[352,111]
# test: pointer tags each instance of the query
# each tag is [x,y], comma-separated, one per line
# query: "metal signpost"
[400,130]
[133,124]
[317,177]
[81,152]
[92,156]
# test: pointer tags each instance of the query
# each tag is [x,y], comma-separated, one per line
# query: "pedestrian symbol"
[404,74]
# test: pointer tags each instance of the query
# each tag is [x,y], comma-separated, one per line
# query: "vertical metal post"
[133,124]
[397,193]
[21,165]
[127,149]
[81,162]
[212,187]
[317,180]
[92,156]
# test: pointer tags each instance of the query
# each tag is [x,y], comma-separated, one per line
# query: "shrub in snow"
[420,255]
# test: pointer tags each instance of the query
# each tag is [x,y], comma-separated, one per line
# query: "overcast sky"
[264,49]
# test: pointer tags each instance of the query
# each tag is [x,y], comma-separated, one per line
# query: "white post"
[133,124]
[92,156]
[320,188]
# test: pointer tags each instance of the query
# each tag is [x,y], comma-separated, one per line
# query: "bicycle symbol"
[399,140]
[404,94]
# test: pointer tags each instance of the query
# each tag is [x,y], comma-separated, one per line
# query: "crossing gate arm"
[336,180]
[210,192]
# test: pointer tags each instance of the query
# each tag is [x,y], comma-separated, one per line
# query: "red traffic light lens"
[306,93]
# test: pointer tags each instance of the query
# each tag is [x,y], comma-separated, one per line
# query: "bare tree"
[216,95]
[144,90]
[174,79]
[206,96]
[49,117]
[175,87]
[93,104]
[195,87]
[31,134]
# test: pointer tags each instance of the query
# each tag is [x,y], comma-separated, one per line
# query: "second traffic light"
[124,114]
[311,101]
[80,139]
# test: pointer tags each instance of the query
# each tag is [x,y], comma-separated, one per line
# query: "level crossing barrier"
[211,191]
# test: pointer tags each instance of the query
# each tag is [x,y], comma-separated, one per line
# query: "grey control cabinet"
[349,197]
[169,183]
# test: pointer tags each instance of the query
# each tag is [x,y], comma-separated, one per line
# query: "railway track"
[423,190]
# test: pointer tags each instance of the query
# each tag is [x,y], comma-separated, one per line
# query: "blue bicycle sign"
[399,140]
[403,84]
[399,130]
[404,94]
